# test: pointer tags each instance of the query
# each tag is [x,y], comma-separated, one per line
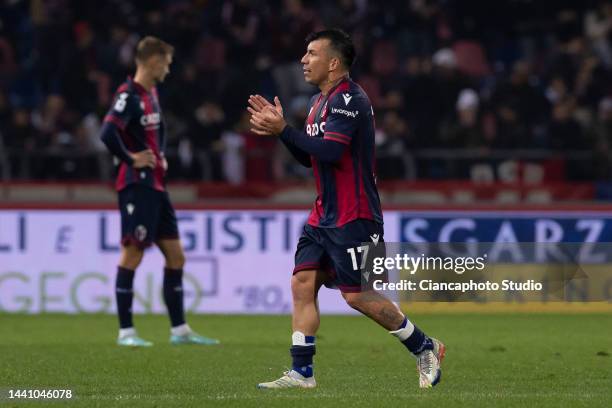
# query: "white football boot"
[290,379]
[428,364]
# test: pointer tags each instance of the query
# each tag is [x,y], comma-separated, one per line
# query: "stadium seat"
[482,173]
[538,196]
[471,58]
[533,173]
[371,85]
[298,195]
[93,194]
[419,197]
[210,54]
[183,193]
[508,197]
[38,192]
[463,196]
[384,58]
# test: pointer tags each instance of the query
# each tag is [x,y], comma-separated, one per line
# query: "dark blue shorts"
[328,249]
[147,216]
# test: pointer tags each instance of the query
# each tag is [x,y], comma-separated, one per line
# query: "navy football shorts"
[326,249]
[147,216]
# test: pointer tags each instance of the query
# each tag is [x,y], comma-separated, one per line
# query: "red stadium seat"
[471,58]
[384,58]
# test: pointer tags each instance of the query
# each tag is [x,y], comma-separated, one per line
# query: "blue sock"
[173,295]
[417,341]
[302,353]
[124,295]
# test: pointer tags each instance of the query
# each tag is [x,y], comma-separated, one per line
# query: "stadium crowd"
[459,87]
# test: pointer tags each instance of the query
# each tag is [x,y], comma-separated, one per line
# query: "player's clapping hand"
[145,158]
[266,119]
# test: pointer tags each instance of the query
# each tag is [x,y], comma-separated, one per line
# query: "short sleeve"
[343,116]
[121,110]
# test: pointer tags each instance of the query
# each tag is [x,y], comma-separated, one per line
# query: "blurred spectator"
[601,132]
[391,141]
[520,102]
[288,31]
[20,140]
[241,23]
[564,132]
[233,151]
[464,130]
[565,135]
[207,125]
[598,27]
[442,76]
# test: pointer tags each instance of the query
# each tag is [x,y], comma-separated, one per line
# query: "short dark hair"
[340,41]
[149,46]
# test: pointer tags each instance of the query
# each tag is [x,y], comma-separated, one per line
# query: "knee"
[176,260]
[131,257]
[352,299]
[301,287]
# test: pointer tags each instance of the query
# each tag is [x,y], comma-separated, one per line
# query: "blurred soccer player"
[338,143]
[134,132]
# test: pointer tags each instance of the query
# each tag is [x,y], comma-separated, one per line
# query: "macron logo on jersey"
[347,98]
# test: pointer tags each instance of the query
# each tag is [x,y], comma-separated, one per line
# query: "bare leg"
[377,307]
[173,252]
[130,257]
[305,287]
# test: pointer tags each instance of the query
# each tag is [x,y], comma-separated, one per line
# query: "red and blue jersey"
[347,188]
[137,115]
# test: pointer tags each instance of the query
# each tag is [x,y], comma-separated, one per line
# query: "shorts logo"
[130,208]
[140,233]
[375,238]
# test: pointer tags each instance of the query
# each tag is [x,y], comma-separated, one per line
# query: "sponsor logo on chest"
[150,120]
[350,114]
[316,128]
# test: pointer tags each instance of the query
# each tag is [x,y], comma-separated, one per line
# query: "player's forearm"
[323,150]
[300,155]
[109,134]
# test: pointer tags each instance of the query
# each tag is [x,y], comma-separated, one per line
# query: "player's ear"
[334,63]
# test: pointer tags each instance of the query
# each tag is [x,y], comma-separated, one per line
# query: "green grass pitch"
[493,360]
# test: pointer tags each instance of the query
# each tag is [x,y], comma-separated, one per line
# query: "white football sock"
[181,330]
[299,339]
[130,331]
[405,332]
